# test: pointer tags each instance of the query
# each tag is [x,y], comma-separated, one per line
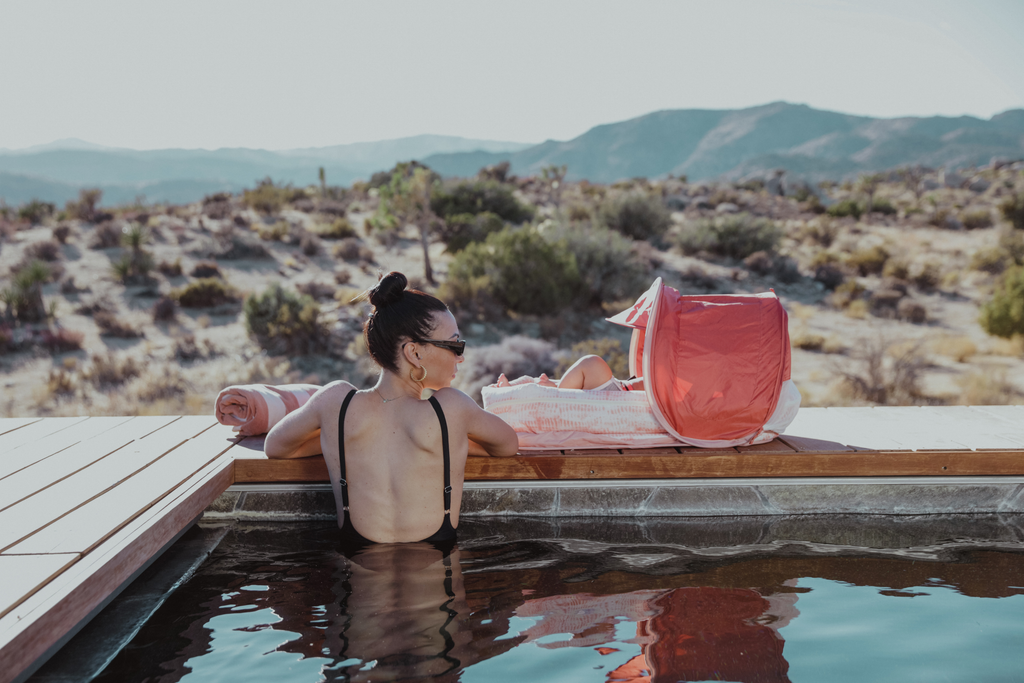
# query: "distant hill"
[704,144]
[56,171]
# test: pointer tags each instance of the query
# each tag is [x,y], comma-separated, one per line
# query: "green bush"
[85,208]
[635,215]
[269,198]
[974,220]
[283,322]
[478,197]
[992,260]
[205,293]
[883,205]
[1013,210]
[608,264]
[339,229]
[35,211]
[520,269]
[737,236]
[846,207]
[1003,314]
[23,300]
[461,229]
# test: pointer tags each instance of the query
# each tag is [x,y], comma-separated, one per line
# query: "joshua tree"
[406,200]
[868,184]
[554,178]
[323,183]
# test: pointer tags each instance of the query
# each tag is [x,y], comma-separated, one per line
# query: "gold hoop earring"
[418,379]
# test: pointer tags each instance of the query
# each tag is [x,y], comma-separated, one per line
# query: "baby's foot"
[545,381]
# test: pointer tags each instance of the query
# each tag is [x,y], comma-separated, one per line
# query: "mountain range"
[699,143]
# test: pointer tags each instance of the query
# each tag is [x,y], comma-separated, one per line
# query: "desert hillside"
[902,288]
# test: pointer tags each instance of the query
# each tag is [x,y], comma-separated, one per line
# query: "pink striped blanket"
[255,408]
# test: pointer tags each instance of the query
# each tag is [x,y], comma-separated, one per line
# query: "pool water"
[594,601]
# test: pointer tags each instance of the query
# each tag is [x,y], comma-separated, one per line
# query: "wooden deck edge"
[44,618]
[717,464]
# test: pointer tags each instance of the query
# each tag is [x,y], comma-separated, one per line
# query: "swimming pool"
[743,599]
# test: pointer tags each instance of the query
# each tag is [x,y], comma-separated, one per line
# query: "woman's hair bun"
[389,290]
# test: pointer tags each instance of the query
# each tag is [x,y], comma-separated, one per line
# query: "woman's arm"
[298,434]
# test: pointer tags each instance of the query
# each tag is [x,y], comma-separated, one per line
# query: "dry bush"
[205,269]
[957,348]
[736,236]
[926,276]
[976,219]
[888,374]
[694,277]
[165,309]
[318,290]
[607,348]
[187,349]
[782,268]
[346,296]
[274,233]
[106,236]
[870,261]
[514,356]
[310,244]
[62,232]
[804,339]
[993,260]
[159,384]
[987,388]
[339,229]
[113,326]
[847,293]
[352,249]
[170,269]
[857,309]
[112,369]
[61,340]
[233,244]
[343,276]
[1012,347]
[47,250]
[205,293]
[912,311]
[60,381]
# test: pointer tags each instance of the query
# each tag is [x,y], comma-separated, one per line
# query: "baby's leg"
[588,372]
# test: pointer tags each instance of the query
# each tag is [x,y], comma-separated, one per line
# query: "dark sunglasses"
[456,347]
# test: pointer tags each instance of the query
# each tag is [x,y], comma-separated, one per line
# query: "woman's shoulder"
[331,394]
[451,398]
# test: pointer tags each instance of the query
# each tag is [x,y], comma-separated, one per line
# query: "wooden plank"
[35,433]
[31,452]
[525,453]
[38,476]
[98,519]
[773,446]
[249,469]
[9,424]
[802,444]
[31,514]
[25,574]
[27,631]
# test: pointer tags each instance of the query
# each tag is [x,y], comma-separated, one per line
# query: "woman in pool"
[397,462]
[590,373]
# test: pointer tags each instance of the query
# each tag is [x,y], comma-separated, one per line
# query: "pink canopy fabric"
[713,365]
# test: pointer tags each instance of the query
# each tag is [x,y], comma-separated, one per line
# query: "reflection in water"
[277,603]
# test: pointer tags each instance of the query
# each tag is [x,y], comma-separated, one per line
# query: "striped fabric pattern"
[253,409]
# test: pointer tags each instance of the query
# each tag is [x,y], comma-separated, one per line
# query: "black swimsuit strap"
[447,456]
[341,450]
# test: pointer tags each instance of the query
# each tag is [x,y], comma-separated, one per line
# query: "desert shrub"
[273,233]
[283,322]
[61,232]
[844,208]
[1013,242]
[165,309]
[206,269]
[830,275]
[912,311]
[47,250]
[23,299]
[736,236]
[461,229]
[269,198]
[232,244]
[820,231]
[782,268]
[110,369]
[339,229]
[882,205]
[521,269]
[170,268]
[317,290]
[987,388]
[846,293]
[896,268]
[478,197]
[958,348]
[870,261]
[205,293]
[1012,209]
[343,276]
[35,211]
[85,208]
[352,249]
[515,356]
[106,236]
[113,326]
[61,340]
[578,212]
[1003,314]
[926,276]
[695,277]
[806,340]
[607,262]
[607,348]
[638,216]
[992,260]
[974,220]
[888,374]
[310,244]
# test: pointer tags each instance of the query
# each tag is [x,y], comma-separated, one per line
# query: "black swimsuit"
[352,539]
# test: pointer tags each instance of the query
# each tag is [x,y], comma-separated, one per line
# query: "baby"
[590,373]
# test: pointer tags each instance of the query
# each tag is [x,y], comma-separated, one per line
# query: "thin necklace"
[386,400]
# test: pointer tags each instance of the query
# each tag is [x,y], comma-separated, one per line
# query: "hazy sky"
[277,75]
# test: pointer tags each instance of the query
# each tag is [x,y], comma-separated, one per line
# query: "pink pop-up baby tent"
[714,366]
[716,374]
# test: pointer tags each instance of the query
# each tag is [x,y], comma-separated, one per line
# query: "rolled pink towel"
[255,408]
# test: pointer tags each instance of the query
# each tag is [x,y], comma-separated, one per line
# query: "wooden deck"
[87,503]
